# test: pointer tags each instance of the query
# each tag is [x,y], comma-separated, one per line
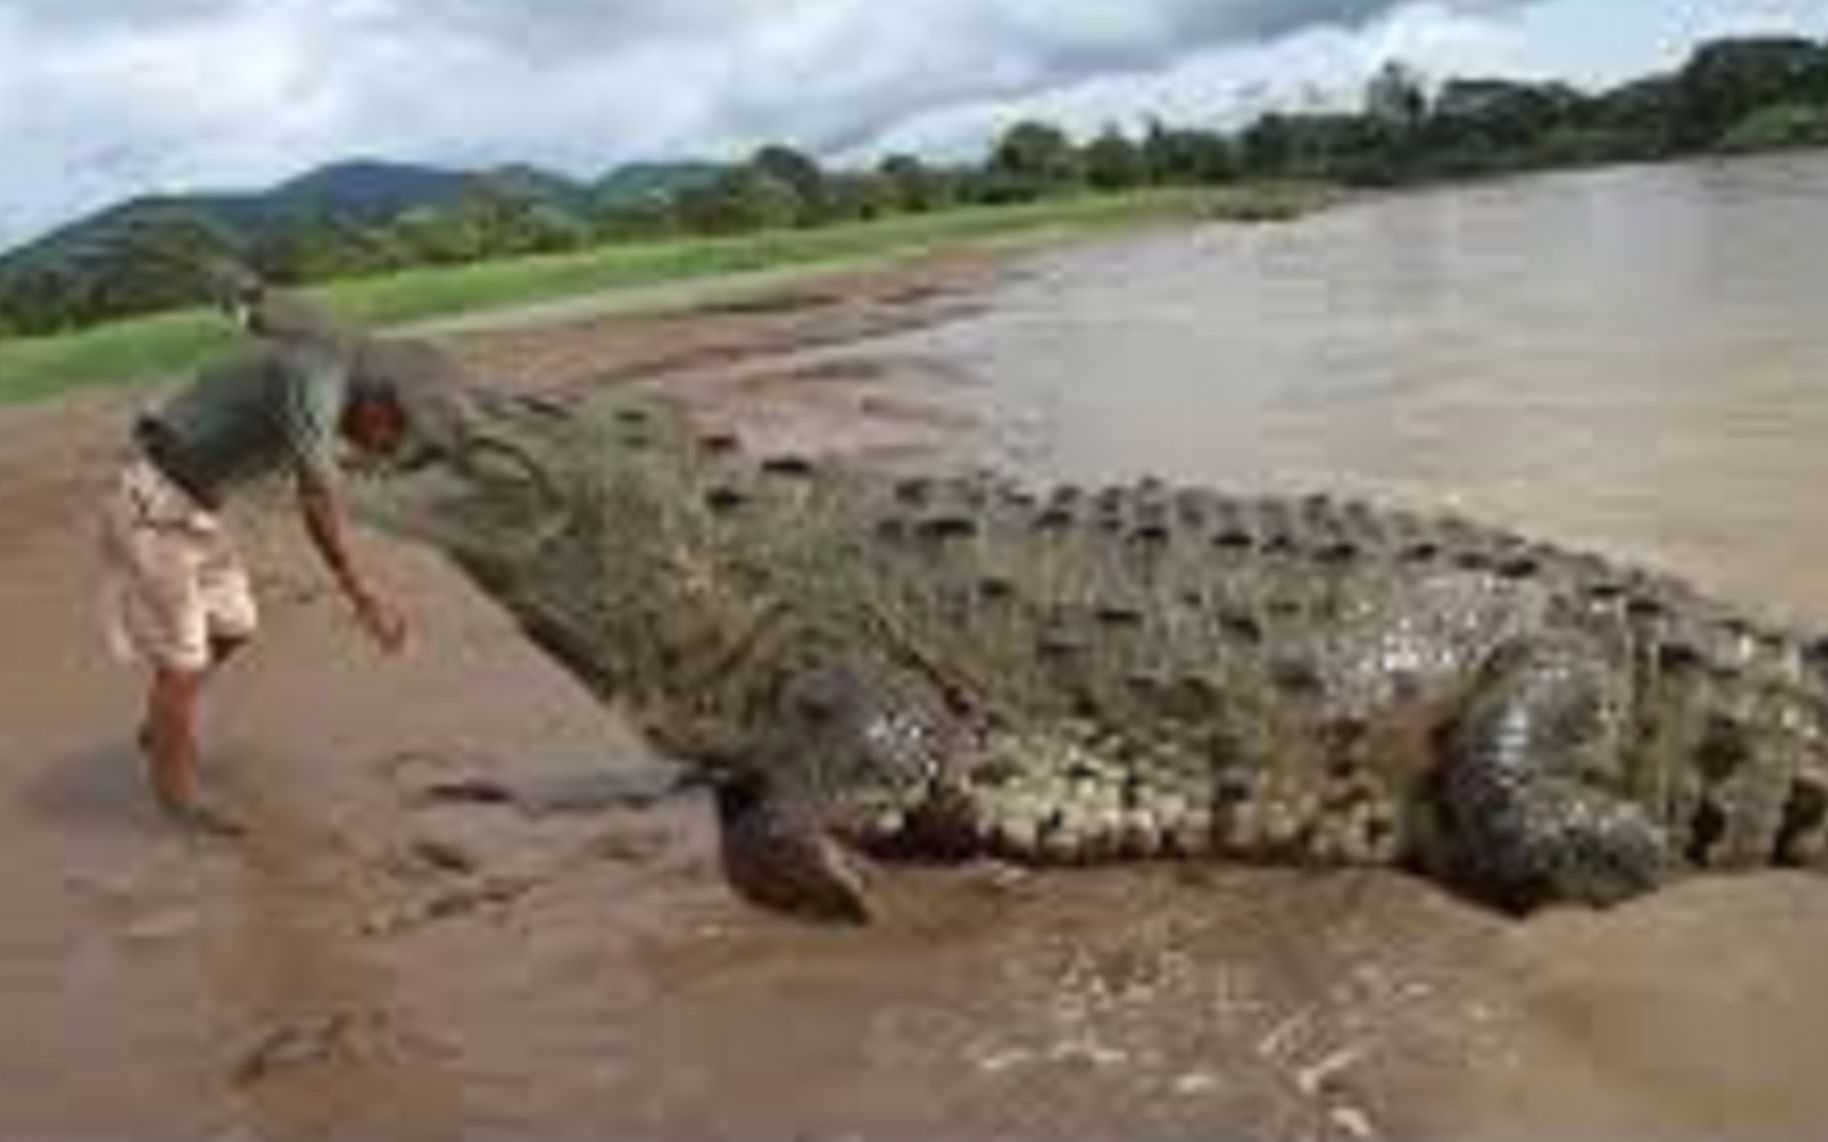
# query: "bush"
[1780,125]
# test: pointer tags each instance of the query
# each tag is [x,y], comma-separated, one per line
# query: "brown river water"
[1635,359]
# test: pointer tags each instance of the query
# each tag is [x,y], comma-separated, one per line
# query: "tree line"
[1731,95]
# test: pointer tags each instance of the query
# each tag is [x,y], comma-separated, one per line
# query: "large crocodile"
[944,667]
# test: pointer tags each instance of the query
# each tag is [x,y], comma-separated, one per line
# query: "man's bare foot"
[206,819]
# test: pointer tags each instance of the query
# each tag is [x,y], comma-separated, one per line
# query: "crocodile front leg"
[778,853]
[828,748]
[1528,788]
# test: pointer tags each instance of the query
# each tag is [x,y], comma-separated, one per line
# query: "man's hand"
[324,523]
[384,624]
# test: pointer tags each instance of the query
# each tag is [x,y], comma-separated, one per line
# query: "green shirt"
[273,407]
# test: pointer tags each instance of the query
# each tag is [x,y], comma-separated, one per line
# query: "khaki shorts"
[172,579]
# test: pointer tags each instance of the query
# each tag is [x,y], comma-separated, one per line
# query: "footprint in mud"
[336,1038]
[328,1051]
[475,834]
[536,788]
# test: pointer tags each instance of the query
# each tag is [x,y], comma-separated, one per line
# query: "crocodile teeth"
[1281,823]
[1018,835]
[1141,834]
[1171,806]
[1243,831]
[1328,844]
[885,826]
[1060,845]
[1193,833]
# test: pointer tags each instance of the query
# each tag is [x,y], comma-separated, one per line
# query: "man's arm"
[323,518]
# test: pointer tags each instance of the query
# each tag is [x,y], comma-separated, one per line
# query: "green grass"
[1777,126]
[161,345]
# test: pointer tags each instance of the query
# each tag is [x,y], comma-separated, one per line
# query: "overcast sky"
[100,99]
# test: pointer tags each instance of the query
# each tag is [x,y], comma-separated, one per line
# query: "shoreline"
[635,277]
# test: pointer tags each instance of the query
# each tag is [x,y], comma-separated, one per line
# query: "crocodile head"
[478,475]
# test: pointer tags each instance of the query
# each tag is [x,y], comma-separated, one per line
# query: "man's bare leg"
[221,649]
[170,735]
[169,739]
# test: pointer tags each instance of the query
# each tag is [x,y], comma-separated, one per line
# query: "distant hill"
[637,183]
[532,184]
[361,192]
[353,217]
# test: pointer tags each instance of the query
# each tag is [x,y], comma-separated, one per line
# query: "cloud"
[102,98]
[1226,85]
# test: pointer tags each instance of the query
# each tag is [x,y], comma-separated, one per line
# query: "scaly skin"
[940,668]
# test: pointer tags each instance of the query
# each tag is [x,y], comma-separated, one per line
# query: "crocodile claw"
[775,856]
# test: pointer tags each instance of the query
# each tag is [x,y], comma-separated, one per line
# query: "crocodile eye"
[494,462]
[507,475]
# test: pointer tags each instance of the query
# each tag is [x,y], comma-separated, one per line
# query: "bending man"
[178,595]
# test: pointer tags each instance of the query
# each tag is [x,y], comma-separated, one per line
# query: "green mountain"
[348,217]
[359,192]
[534,185]
[638,183]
